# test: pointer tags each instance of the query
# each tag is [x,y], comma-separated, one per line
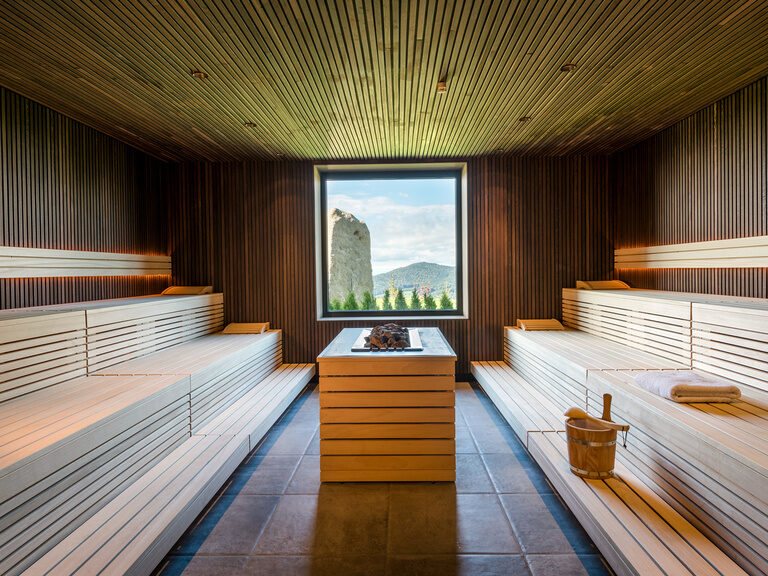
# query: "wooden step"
[635,529]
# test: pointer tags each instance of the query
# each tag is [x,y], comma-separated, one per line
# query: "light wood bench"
[123,329]
[635,529]
[710,461]
[132,534]
[221,367]
[557,362]
[66,450]
[707,461]
[39,349]
[642,319]
[522,405]
[731,341]
[69,443]
[259,408]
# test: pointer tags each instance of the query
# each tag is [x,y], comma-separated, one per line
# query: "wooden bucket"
[591,448]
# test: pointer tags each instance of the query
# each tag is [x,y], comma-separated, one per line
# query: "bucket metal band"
[589,474]
[588,443]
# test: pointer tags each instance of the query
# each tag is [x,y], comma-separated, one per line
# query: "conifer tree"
[400,303]
[429,303]
[368,303]
[415,303]
[351,302]
[445,301]
[387,303]
[335,304]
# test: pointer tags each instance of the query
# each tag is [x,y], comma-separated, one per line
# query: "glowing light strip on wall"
[731,253]
[43,263]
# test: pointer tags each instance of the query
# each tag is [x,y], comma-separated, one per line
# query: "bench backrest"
[40,349]
[123,330]
[732,342]
[633,317]
[43,346]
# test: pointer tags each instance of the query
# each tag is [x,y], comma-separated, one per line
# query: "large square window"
[391,242]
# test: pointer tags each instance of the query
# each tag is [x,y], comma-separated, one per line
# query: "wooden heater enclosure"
[387,416]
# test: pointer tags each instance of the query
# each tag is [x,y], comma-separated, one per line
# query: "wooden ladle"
[578,413]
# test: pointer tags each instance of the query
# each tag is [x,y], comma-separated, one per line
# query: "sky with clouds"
[410,220]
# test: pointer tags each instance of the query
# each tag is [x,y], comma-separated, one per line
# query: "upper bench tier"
[43,346]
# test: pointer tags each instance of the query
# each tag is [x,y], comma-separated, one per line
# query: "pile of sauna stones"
[389,336]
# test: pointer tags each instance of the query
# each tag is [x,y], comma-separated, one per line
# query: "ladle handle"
[607,407]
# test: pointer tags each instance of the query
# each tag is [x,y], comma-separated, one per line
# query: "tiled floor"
[275,518]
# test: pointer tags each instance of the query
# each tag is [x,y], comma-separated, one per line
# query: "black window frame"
[404,174]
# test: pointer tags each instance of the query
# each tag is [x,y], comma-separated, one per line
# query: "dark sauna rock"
[389,336]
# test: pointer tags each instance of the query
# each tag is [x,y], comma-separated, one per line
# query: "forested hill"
[436,276]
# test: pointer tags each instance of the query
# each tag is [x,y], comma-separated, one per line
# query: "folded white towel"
[687,386]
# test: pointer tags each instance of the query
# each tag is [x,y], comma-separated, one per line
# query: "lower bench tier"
[134,532]
[634,528]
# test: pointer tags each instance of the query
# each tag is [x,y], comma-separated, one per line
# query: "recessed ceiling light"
[499,150]
[523,118]
[199,74]
[441,87]
[249,124]
[568,67]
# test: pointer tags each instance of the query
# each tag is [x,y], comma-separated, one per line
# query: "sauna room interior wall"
[705,178]
[66,186]
[535,225]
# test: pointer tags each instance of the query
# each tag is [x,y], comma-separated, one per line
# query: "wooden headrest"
[187,290]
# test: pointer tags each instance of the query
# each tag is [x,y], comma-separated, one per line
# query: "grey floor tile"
[315,566]
[471,475]
[570,564]
[291,529]
[290,439]
[509,475]
[347,518]
[465,444]
[314,444]
[202,566]
[536,526]
[492,440]
[306,479]
[270,476]
[238,528]
[205,523]
[434,519]
[458,565]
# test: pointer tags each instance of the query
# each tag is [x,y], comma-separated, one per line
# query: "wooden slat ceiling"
[358,79]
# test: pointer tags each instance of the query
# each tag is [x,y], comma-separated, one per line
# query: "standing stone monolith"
[349,256]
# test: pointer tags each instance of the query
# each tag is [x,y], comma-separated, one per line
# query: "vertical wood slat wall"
[536,225]
[704,178]
[66,186]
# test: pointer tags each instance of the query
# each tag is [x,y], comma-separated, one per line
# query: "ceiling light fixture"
[441,87]
[568,67]
[249,124]
[199,74]
[523,118]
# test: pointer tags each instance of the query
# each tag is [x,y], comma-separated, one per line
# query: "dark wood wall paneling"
[66,186]
[704,178]
[536,225]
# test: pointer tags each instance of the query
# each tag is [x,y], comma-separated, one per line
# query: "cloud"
[403,234]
